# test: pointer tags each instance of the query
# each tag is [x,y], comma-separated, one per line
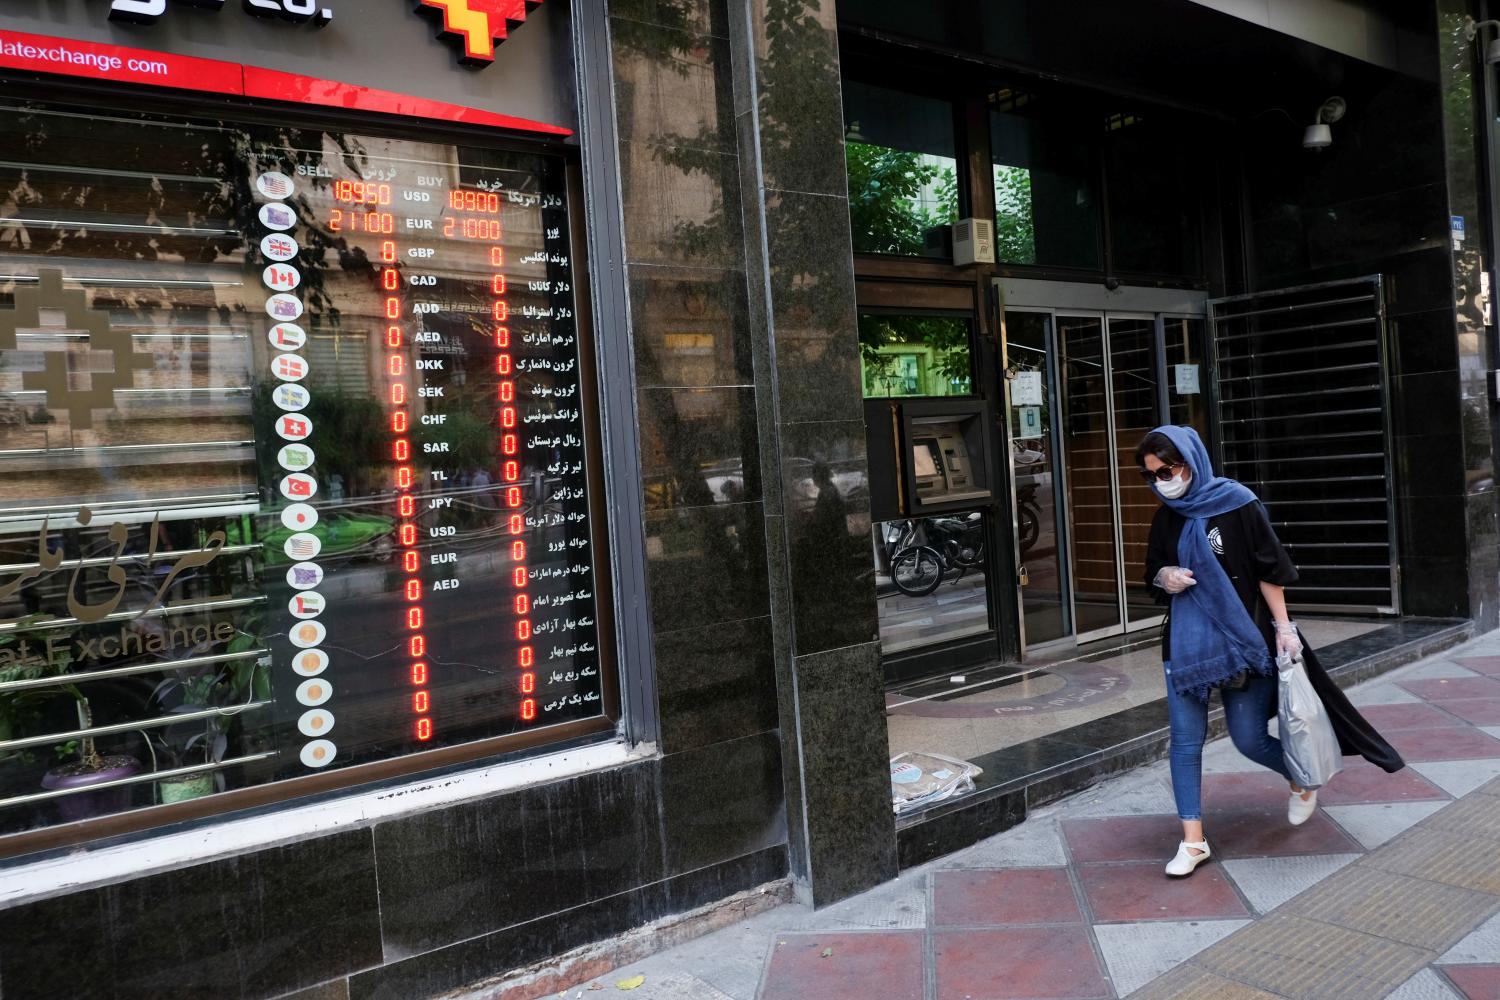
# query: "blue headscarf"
[1213,637]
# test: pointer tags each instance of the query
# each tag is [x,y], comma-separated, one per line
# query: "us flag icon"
[289,367]
[293,428]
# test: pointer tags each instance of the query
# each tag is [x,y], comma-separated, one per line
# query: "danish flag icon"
[289,366]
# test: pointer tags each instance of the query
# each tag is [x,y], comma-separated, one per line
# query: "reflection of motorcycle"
[918,569]
[1028,516]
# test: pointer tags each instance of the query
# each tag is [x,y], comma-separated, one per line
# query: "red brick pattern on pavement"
[1479,711]
[1141,892]
[1454,688]
[860,966]
[1457,743]
[1481,664]
[1476,982]
[985,898]
[1018,963]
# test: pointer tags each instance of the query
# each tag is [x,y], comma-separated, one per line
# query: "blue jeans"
[1246,711]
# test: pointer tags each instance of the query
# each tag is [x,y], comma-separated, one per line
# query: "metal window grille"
[1301,416]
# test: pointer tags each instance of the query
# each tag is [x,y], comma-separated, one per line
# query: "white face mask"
[1172,488]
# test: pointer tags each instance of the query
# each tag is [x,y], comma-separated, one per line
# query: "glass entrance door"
[1083,515]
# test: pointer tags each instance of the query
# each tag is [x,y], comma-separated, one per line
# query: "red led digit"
[390,280]
[512,471]
[528,710]
[408,534]
[501,311]
[413,590]
[406,505]
[403,477]
[513,496]
[388,251]
[393,336]
[502,364]
[392,308]
[497,256]
[518,551]
[515,524]
[528,683]
[335,220]
[507,416]
[519,576]
[398,422]
[507,391]
[398,394]
[523,629]
[523,604]
[395,365]
[417,646]
[509,443]
[419,673]
[527,657]
[409,561]
[502,336]
[420,701]
[424,729]
[402,449]
[497,284]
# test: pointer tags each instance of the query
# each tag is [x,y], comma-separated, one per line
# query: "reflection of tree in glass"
[1015,228]
[946,336]
[886,210]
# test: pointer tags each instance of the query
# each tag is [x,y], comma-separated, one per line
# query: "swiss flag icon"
[294,428]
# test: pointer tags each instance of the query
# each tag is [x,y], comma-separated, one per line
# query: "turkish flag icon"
[298,486]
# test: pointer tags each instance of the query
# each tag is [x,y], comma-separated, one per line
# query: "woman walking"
[1214,558]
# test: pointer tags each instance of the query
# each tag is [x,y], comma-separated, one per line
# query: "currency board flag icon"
[289,367]
[298,486]
[293,428]
[307,605]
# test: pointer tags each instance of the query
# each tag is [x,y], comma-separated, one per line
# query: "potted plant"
[90,768]
[204,740]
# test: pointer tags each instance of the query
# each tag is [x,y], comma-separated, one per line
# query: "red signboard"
[100,61]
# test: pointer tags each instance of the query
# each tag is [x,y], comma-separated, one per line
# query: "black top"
[1247,548]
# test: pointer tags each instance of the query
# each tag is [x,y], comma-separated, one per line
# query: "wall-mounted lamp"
[1472,30]
[1318,135]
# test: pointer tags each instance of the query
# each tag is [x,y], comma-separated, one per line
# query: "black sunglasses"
[1161,474]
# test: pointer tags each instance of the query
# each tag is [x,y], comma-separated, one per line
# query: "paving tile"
[1458,778]
[1146,797]
[1439,857]
[1480,664]
[976,898]
[1269,882]
[1476,982]
[1384,693]
[1036,842]
[1262,835]
[1454,688]
[1016,963]
[1425,985]
[1373,825]
[1492,730]
[880,963]
[1433,669]
[1300,958]
[1123,838]
[1479,711]
[1145,892]
[1362,782]
[1411,716]
[1138,953]
[1427,915]
[1189,982]
[1456,743]
[1482,945]
[1476,816]
[1260,790]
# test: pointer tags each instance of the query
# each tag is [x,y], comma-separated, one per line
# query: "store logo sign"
[477,25]
[98,384]
[150,11]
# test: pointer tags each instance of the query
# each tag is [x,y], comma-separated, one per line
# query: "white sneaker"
[1300,810]
[1186,860]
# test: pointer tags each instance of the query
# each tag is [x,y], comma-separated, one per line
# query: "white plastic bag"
[1308,743]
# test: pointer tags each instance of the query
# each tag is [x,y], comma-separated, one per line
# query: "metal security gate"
[1301,416]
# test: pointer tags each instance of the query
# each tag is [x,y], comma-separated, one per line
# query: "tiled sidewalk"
[1073,903]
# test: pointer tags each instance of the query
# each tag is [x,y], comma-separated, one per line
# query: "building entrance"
[1083,386]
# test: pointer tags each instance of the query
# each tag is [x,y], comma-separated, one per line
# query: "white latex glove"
[1175,579]
[1288,643]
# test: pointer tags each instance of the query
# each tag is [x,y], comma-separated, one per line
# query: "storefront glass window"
[903,170]
[1153,171]
[915,355]
[1185,373]
[294,456]
[1045,209]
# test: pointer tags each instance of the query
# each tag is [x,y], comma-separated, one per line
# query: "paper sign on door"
[1026,389]
[1187,380]
[1029,421]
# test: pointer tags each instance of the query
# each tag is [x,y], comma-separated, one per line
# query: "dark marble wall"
[1378,202]
[789,118]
